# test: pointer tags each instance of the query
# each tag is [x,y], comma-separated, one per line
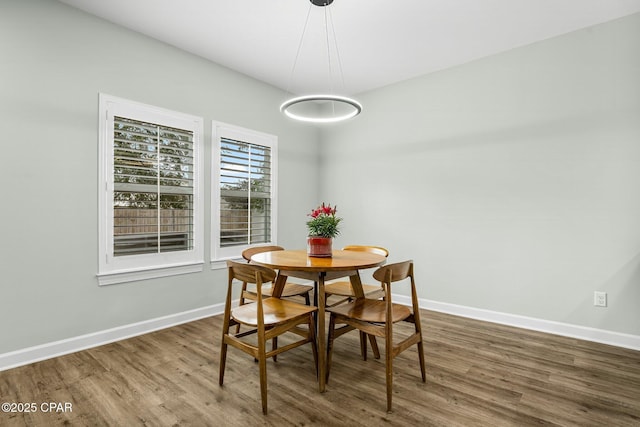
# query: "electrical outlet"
[600,299]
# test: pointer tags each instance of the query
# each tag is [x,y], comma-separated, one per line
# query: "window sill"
[152,273]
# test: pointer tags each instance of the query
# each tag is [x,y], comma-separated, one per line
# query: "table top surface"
[300,261]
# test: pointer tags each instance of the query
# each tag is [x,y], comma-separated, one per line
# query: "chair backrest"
[394,272]
[364,248]
[250,273]
[249,252]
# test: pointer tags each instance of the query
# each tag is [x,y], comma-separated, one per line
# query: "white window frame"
[129,268]
[223,130]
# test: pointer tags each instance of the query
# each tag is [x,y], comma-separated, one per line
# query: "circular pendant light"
[339,108]
[321,108]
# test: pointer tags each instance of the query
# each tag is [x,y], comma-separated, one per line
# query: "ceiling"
[379,42]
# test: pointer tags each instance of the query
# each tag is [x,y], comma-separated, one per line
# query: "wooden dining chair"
[267,318]
[377,317]
[344,290]
[290,289]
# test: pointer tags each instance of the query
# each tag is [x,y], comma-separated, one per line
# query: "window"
[150,203]
[244,188]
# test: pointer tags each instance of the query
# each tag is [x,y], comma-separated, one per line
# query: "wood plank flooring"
[478,374]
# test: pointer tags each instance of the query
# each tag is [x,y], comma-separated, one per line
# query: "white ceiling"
[379,42]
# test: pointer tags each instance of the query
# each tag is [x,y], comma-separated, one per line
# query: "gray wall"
[512,181]
[54,61]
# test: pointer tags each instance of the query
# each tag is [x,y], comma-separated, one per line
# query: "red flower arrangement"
[323,222]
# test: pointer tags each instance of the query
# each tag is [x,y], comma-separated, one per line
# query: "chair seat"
[373,311]
[345,289]
[290,290]
[275,311]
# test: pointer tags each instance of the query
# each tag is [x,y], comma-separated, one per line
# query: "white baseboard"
[59,348]
[557,328]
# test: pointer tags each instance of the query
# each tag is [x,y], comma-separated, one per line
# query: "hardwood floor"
[478,373]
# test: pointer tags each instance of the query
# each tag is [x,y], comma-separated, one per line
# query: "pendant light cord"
[326,34]
[335,41]
[295,61]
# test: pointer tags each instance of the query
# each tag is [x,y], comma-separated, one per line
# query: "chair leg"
[241,302]
[306,299]
[223,361]
[223,348]
[418,329]
[262,362]
[421,358]
[389,373]
[332,325]
[274,346]
[363,345]
[374,346]
[312,337]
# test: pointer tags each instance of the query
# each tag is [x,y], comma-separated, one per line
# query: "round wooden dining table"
[296,263]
